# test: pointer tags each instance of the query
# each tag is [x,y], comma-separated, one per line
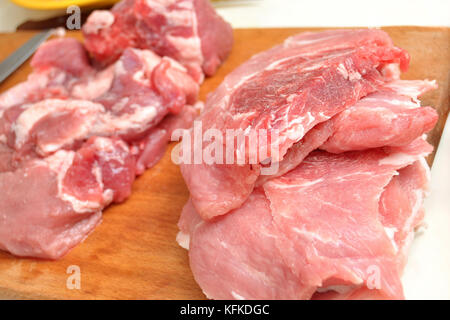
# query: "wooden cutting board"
[133,253]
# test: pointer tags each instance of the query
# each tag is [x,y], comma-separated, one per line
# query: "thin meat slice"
[401,213]
[299,151]
[328,209]
[286,91]
[392,116]
[51,205]
[236,257]
[317,231]
[189,31]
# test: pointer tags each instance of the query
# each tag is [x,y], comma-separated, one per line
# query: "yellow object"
[60,4]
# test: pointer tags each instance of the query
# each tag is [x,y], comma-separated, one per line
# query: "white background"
[427,275]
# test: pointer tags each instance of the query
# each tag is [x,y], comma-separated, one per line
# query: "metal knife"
[18,57]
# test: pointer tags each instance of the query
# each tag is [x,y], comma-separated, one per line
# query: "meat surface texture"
[287,91]
[73,138]
[319,231]
[59,108]
[189,31]
[77,132]
[389,117]
[49,205]
[337,217]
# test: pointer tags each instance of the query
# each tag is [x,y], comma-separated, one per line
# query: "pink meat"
[286,90]
[237,256]
[295,155]
[391,116]
[401,205]
[142,79]
[189,31]
[127,100]
[65,194]
[319,231]
[138,72]
[85,134]
[66,54]
[153,146]
[60,70]
[401,212]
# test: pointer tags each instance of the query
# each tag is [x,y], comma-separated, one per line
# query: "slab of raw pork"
[61,105]
[52,203]
[338,226]
[287,90]
[334,224]
[391,116]
[49,205]
[73,138]
[189,31]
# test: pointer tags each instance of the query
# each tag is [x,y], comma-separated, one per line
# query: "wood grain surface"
[133,253]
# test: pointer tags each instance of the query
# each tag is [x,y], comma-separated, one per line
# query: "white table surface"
[427,274]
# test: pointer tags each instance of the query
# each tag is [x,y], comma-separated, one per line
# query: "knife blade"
[18,57]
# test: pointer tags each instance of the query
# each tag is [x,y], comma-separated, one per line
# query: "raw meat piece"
[66,54]
[189,31]
[66,191]
[50,205]
[84,134]
[237,257]
[139,73]
[54,78]
[128,99]
[51,125]
[391,116]
[54,124]
[286,90]
[401,211]
[6,158]
[152,147]
[323,230]
[142,80]
[295,155]
[401,205]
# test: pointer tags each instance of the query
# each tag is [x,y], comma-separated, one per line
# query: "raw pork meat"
[50,205]
[330,228]
[189,31]
[73,138]
[67,190]
[286,90]
[126,100]
[334,223]
[392,116]
[151,148]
